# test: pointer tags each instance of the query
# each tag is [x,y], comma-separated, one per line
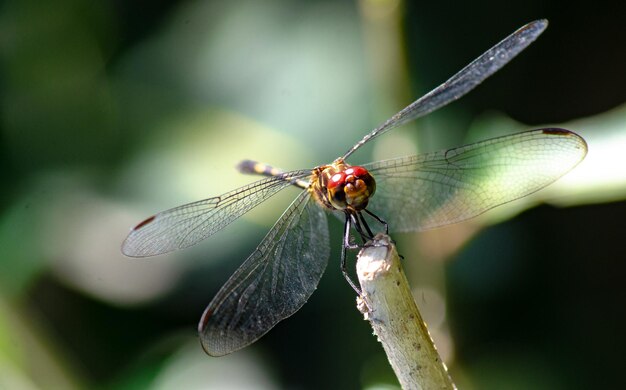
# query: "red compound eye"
[358,171]
[337,179]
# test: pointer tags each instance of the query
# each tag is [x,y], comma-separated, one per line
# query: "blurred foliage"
[113,110]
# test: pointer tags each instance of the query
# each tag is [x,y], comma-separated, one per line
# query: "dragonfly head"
[350,187]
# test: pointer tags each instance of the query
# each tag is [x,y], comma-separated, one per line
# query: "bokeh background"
[114,110]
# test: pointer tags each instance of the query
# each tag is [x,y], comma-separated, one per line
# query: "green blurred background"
[114,110]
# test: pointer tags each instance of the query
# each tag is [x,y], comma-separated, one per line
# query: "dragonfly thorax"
[341,186]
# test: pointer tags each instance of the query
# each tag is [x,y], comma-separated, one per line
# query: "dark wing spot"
[208,313]
[556,131]
[144,222]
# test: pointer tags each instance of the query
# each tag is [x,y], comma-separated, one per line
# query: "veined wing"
[464,81]
[186,225]
[273,283]
[436,189]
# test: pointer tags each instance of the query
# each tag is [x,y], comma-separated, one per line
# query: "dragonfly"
[403,194]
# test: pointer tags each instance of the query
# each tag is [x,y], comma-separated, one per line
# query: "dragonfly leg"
[382,221]
[346,245]
[364,222]
[356,222]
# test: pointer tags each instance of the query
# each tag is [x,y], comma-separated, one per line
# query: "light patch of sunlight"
[12,378]
[394,144]
[439,244]
[252,60]
[381,386]
[378,9]
[189,163]
[82,237]
[190,368]
[444,343]
[432,307]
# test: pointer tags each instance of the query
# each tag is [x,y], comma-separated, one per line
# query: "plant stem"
[387,303]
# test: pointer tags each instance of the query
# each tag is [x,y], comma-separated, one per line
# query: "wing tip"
[560,132]
[211,348]
[130,250]
[541,23]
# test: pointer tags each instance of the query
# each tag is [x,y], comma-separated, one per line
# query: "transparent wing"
[436,189]
[272,284]
[464,81]
[186,225]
